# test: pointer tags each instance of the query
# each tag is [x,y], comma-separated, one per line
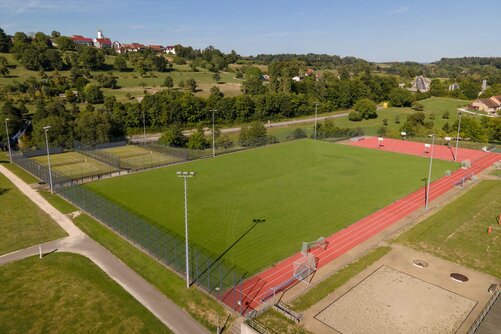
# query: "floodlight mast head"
[47,127]
[186,174]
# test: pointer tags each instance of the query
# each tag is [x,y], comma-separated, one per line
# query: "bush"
[174,137]
[253,134]
[355,116]
[366,107]
[297,134]
[417,106]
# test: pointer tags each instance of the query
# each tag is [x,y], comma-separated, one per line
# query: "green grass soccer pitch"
[303,189]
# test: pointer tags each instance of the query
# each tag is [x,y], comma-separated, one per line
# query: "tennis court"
[137,157]
[74,165]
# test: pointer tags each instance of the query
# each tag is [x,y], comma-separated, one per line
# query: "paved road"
[151,137]
[78,242]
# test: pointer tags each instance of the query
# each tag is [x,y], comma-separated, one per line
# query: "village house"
[488,105]
[170,49]
[80,40]
[102,42]
[156,48]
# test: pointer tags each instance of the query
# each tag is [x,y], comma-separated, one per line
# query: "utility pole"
[316,109]
[46,128]
[457,137]
[8,139]
[429,171]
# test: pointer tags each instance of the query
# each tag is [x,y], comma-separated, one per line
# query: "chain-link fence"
[207,270]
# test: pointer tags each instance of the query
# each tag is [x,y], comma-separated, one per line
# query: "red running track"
[251,292]
[442,152]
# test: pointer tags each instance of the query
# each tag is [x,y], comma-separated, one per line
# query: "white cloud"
[401,10]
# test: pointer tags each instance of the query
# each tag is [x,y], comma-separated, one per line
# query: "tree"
[400,97]
[4,67]
[160,63]
[54,61]
[41,41]
[197,140]
[253,86]
[120,64]
[168,82]
[93,127]
[55,34]
[215,91]
[470,88]
[91,58]
[216,77]
[192,85]
[64,43]
[5,42]
[366,108]
[174,137]
[253,134]
[93,94]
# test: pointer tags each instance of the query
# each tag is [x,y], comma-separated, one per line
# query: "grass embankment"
[458,232]
[435,106]
[199,305]
[304,189]
[22,223]
[67,293]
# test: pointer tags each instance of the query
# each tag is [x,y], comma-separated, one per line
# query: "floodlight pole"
[316,109]
[8,139]
[457,138]
[429,171]
[46,128]
[186,175]
[144,129]
[213,135]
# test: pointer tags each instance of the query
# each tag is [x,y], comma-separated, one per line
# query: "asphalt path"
[78,242]
[152,137]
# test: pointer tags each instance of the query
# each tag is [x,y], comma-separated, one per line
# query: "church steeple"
[100,34]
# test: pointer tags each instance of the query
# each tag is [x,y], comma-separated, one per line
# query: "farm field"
[74,164]
[69,295]
[23,224]
[458,232]
[303,189]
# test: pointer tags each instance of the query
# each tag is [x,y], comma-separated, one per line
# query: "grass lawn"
[304,189]
[22,223]
[67,293]
[198,304]
[458,232]
[74,165]
[435,105]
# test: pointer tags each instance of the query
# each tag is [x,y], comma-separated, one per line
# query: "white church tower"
[100,34]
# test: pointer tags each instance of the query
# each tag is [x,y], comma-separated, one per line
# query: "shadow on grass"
[255,223]
[4,190]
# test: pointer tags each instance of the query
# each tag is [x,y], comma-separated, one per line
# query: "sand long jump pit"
[390,301]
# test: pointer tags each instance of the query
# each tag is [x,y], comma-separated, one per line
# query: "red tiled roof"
[81,38]
[489,103]
[103,41]
[170,47]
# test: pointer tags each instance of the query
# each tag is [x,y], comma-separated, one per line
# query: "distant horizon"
[379,32]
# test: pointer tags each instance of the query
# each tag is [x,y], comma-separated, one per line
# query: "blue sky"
[377,30]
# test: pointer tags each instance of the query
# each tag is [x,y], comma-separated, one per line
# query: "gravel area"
[390,301]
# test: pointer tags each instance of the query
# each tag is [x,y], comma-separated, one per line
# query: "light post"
[8,139]
[316,109]
[186,175]
[213,135]
[218,330]
[46,128]
[457,138]
[429,171]
[425,179]
[144,129]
